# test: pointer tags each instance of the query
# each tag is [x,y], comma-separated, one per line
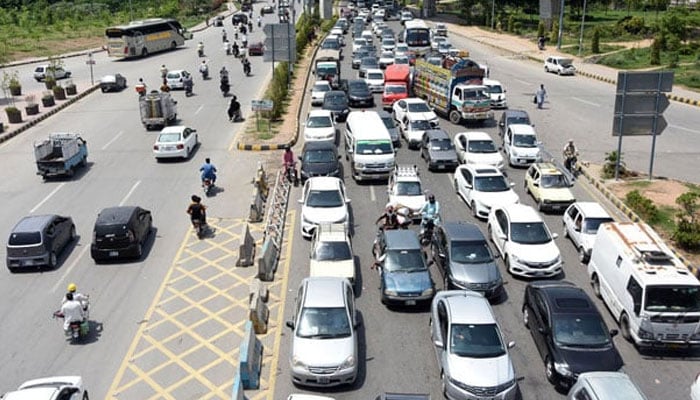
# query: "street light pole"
[583,19]
[493,14]
[561,24]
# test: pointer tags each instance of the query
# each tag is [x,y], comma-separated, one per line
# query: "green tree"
[540,29]
[595,41]
[687,232]
[655,52]
[554,33]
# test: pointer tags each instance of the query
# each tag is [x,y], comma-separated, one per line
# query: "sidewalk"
[528,49]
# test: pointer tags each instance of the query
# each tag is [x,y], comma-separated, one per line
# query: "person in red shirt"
[289,162]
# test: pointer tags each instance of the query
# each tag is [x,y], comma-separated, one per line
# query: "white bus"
[416,35]
[140,38]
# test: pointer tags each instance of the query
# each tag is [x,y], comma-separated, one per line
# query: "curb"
[598,184]
[8,135]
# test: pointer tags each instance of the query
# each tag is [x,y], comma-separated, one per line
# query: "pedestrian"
[540,95]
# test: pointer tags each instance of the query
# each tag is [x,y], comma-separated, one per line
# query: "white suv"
[405,189]
[524,241]
[521,145]
[42,71]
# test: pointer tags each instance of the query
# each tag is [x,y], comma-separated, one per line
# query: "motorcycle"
[426,233]
[290,173]
[571,165]
[246,69]
[200,52]
[207,186]
[225,87]
[76,329]
[205,73]
[188,88]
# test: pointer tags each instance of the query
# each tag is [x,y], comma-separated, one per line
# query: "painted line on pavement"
[450,178]
[523,82]
[372,195]
[67,271]
[590,103]
[121,203]
[48,196]
[113,139]
[201,107]
[682,128]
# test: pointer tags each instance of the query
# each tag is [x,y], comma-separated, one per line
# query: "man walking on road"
[540,95]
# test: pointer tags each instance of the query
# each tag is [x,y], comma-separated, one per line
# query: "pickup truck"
[60,154]
[158,109]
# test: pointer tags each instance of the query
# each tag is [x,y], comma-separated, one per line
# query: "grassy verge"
[604,48]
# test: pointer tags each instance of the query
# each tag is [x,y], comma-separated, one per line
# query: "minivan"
[37,240]
[368,146]
[120,232]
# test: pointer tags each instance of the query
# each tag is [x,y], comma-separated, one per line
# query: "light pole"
[580,39]
[493,14]
[561,24]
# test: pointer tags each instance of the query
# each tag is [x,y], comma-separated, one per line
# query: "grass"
[666,220]
[604,48]
[688,75]
[636,58]
[263,128]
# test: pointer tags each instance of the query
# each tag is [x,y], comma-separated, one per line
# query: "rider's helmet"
[571,141]
[196,199]
[431,198]
[72,288]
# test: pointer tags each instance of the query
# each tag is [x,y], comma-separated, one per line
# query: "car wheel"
[526,317]
[139,250]
[474,213]
[73,234]
[144,52]
[545,69]
[488,228]
[104,90]
[566,231]
[595,282]
[549,371]
[53,260]
[540,206]
[625,327]
[456,185]
[582,255]
[527,189]
[444,385]
[455,118]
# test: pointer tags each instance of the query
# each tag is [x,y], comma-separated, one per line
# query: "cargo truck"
[60,154]
[158,109]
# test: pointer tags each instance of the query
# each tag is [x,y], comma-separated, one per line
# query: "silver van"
[37,240]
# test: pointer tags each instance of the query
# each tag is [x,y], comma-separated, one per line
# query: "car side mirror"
[577,229]
[555,235]
[339,157]
[300,159]
[502,236]
[614,332]
[438,343]
[290,324]
[441,255]
[468,185]
[512,184]
[511,345]
[301,201]
[501,124]
[347,201]
[543,331]
[536,184]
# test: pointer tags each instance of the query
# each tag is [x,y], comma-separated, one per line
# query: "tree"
[595,41]
[655,51]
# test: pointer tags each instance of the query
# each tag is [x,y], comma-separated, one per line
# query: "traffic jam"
[395,109]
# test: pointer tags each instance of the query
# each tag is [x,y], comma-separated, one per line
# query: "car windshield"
[323,323]
[324,199]
[580,331]
[418,107]
[389,42]
[173,75]
[332,251]
[419,125]
[336,100]
[319,156]
[389,122]
[326,70]
[495,183]
[524,140]
[360,41]
[395,89]
[362,54]
[482,146]
[591,225]
[518,120]
[374,147]
[408,189]
[375,76]
[679,299]
[444,45]
[554,181]
[401,60]
[369,62]
[387,54]
[470,252]
[404,261]
[475,94]
[529,233]
[496,89]
[322,87]
[330,44]
[319,122]
[168,137]
[476,341]
[441,144]
[24,238]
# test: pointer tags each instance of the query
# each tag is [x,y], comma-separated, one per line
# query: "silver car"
[324,343]
[470,351]
[318,91]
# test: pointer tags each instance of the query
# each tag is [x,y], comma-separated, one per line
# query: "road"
[396,352]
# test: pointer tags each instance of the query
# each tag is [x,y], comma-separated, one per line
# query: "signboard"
[262,105]
[280,42]
[629,82]
[639,125]
[640,103]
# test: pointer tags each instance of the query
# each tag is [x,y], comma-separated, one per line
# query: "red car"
[256,49]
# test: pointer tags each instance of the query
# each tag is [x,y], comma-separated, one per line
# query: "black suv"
[239,18]
[510,117]
[120,232]
[319,158]
[568,331]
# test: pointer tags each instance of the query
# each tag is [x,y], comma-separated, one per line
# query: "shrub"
[540,29]
[610,161]
[655,55]
[511,23]
[554,33]
[595,41]
[687,231]
[632,24]
[673,59]
[643,206]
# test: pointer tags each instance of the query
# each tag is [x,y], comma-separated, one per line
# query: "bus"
[140,38]
[416,35]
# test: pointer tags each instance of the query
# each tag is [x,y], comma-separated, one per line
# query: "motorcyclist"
[570,154]
[223,73]
[235,50]
[289,162]
[197,211]
[72,311]
[259,22]
[540,42]
[77,296]
[208,171]
[246,66]
[163,71]
[223,35]
[430,211]
[244,40]
[234,110]
[227,48]
[389,217]
[141,87]
[187,83]
[200,49]
[204,69]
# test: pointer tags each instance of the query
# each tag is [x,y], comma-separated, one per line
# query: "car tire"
[73,234]
[566,231]
[526,317]
[144,52]
[53,260]
[104,90]
[456,186]
[540,206]
[139,250]
[595,283]
[549,371]
[582,256]
[625,327]
[455,118]
[474,213]
[442,383]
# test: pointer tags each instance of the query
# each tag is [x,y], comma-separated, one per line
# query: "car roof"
[462,231]
[318,145]
[522,129]
[592,209]
[115,215]
[320,113]
[612,385]
[481,169]
[547,168]
[565,297]
[33,223]
[322,83]
[438,134]
[324,292]
[324,183]
[491,82]
[374,70]
[413,100]
[515,113]
[521,213]
[401,239]
[476,135]
[173,129]
[467,307]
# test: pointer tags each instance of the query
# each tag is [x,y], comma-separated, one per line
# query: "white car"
[357,43]
[323,201]
[378,27]
[175,142]
[175,78]
[318,91]
[478,148]
[412,128]
[385,59]
[483,187]
[401,49]
[581,221]
[521,145]
[388,44]
[42,71]
[560,65]
[368,35]
[379,15]
[375,80]
[338,31]
[416,108]
[331,253]
[435,42]
[53,388]
[524,241]
[496,92]
[405,189]
[406,16]
[319,125]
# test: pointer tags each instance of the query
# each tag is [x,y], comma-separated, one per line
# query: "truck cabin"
[471,93]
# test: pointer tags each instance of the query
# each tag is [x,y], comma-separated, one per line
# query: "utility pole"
[561,24]
[583,20]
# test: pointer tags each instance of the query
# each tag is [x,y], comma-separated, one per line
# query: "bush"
[632,24]
[540,29]
[655,52]
[595,41]
[610,161]
[554,33]
[687,231]
[643,206]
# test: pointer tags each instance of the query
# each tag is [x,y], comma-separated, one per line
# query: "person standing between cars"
[540,96]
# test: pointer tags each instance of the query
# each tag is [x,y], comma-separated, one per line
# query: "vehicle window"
[482,146]
[681,299]
[186,133]
[374,147]
[324,199]
[321,87]
[323,323]
[554,181]
[529,233]
[477,341]
[319,122]
[349,296]
[442,317]
[542,310]
[418,107]
[331,251]
[169,137]
[319,156]
[458,93]
[502,221]
[592,224]
[527,141]
[573,212]
[419,125]
[404,260]
[519,120]
[582,395]
[395,89]
[495,89]
[24,238]
[491,184]
[467,175]
[408,189]
[441,144]
[470,252]
[110,230]
[580,331]
[389,121]
[375,75]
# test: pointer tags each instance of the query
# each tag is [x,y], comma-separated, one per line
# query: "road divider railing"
[250,358]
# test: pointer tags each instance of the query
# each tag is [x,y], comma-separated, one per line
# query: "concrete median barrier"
[250,353]
[258,313]
[257,206]
[237,391]
[267,263]
[246,250]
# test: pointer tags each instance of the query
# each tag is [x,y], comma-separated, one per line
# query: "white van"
[368,146]
[646,287]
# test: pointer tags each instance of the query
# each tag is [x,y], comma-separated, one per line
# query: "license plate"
[113,253]
[441,167]
[323,379]
[410,302]
[168,148]
[675,346]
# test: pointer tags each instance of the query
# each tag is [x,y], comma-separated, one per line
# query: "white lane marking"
[199,109]
[372,196]
[523,82]
[451,179]
[113,139]
[590,103]
[129,194]
[53,192]
[681,128]
[86,247]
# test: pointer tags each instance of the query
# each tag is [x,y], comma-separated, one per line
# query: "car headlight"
[514,152]
[306,220]
[563,369]
[359,165]
[557,260]
[459,384]
[348,363]
[296,362]
[648,335]
[388,292]
[498,282]
[428,292]
[335,172]
[514,258]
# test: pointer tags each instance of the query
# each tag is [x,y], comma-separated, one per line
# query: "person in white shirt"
[72,311]
[73,291]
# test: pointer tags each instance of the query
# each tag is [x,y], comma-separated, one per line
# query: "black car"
[510,117]
[568,331]
[120,232]
[336,101]
[239,18]
[359,94]
[359,55]
[268,9]
[218,20]
[319,158]
[116,82]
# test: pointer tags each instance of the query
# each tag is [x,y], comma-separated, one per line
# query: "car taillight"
[180,146]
